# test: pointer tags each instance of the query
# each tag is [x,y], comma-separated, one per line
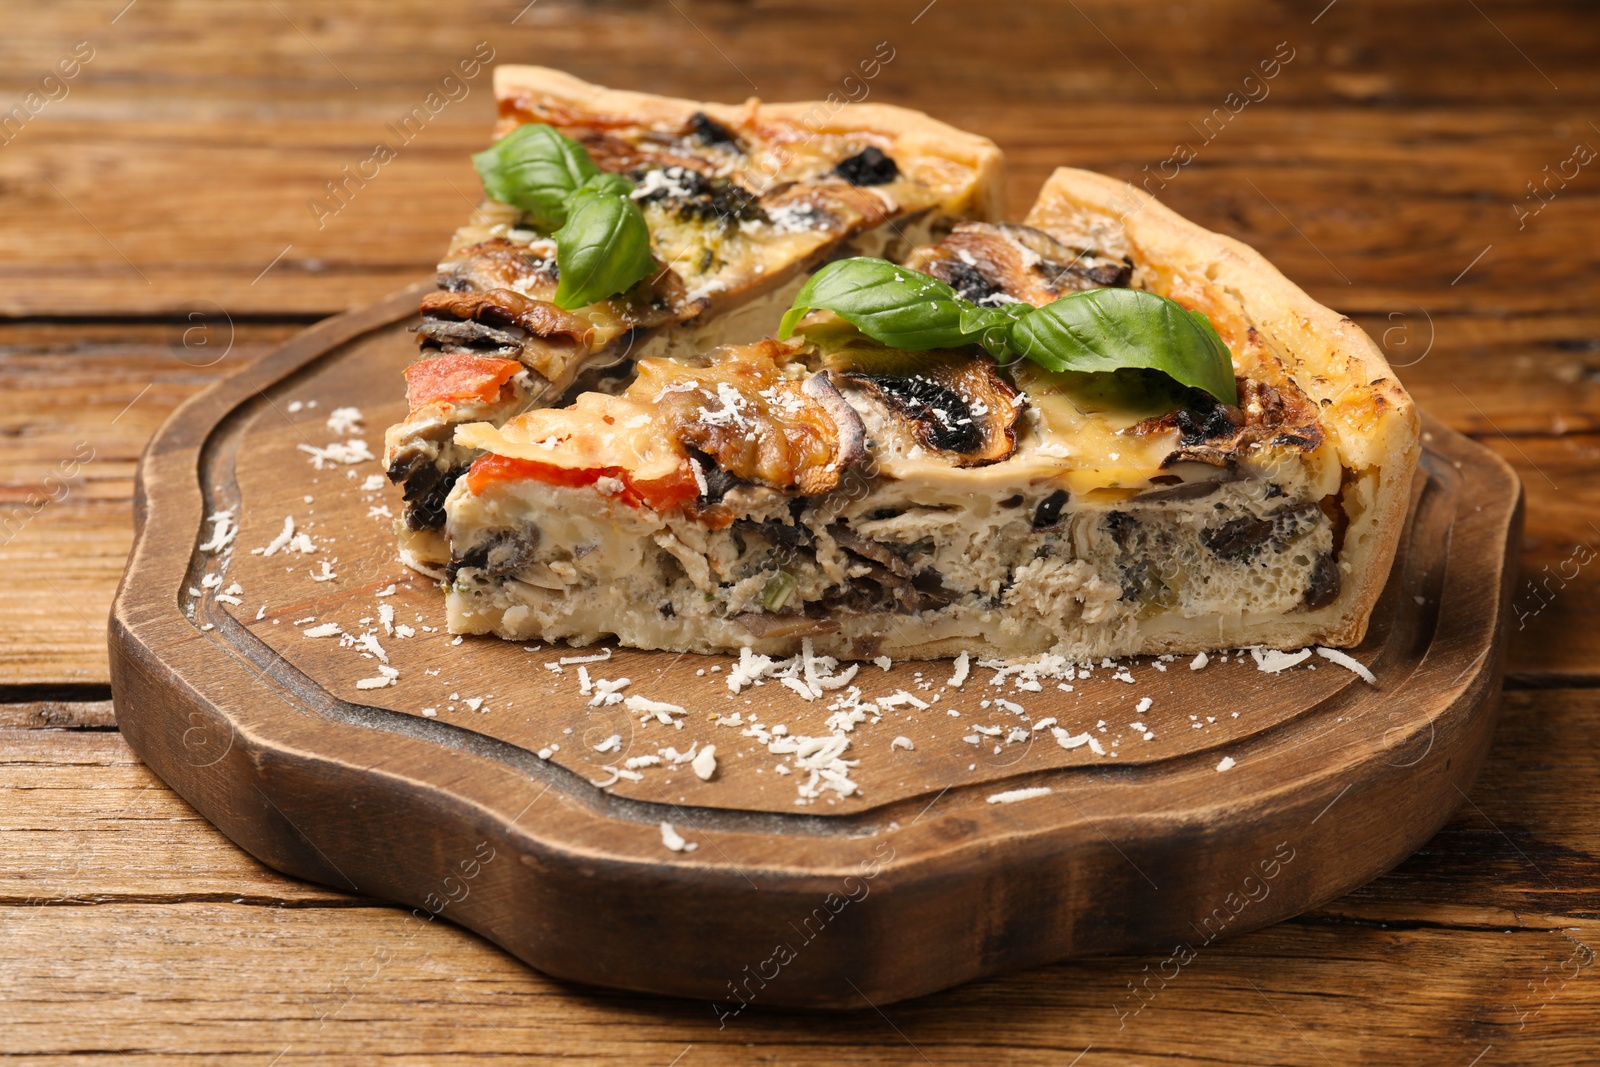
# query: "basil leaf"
[607,184]
[1109,329]
[1097,330]
[991,327]
[536,169]
[604,246]
[890,304]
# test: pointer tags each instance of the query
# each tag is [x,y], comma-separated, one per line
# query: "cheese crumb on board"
[352,451]
[1273,661]
[1227,764]
[277,544]
[386,676]
[1350,663]
[705,763]
[345,420]
[674,840]
[223,531]
[662,711]
[1011,796]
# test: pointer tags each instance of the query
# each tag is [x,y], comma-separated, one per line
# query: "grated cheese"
[1350,663]
[962,668]
[1011,796]
[674,840]
[1273,661]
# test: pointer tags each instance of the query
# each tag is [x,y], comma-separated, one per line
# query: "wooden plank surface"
[1489,931]
[1384,171]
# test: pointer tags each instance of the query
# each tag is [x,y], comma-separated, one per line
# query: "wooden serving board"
[431,790]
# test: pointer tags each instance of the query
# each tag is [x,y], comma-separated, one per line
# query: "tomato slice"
[660,494]
[457,377]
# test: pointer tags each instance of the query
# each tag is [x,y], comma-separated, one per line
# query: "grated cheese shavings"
[1350,663]
[1011,796]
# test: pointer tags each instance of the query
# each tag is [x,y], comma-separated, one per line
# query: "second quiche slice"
[878,500]
[741,202]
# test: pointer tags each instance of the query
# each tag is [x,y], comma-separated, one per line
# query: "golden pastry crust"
[932,152]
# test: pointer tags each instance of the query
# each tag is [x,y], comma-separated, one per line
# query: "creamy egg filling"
[1086,541]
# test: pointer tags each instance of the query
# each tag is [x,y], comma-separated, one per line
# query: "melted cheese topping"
[1080,430]
[598,431]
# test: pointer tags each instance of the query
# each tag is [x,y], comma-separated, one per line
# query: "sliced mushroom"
[741,411]
[1181,491]
[1323,587]
[998,263]
[1217,434]
[1242,538]
[502,553]
[454,335]
[506,307]
[426,486]
[852,434]
[951,402]
[851,541]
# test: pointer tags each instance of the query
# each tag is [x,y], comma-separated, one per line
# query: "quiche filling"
[739,209]
[704,377]
[881,501]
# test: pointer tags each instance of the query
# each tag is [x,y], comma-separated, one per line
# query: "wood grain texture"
[1377,172]
[1398,141]
[404,788]
[79,403]
[1494,913]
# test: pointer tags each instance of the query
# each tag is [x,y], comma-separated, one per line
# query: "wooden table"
[1426,168]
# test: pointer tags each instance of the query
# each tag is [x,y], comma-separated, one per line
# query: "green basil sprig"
[604,247]
[1093,330]
[536,169]
[602,239]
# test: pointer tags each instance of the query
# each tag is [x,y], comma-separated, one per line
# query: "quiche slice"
[741,201]
[923,503]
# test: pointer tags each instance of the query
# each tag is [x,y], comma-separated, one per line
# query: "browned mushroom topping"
[1217,434]
[508,272]
[752,421]
[504,307]
[953,403]
[993,264]
[498,264]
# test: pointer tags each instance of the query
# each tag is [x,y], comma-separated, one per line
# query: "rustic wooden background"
[1425,167]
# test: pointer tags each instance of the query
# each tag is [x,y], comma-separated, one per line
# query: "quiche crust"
[968,168]
[1367,416]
